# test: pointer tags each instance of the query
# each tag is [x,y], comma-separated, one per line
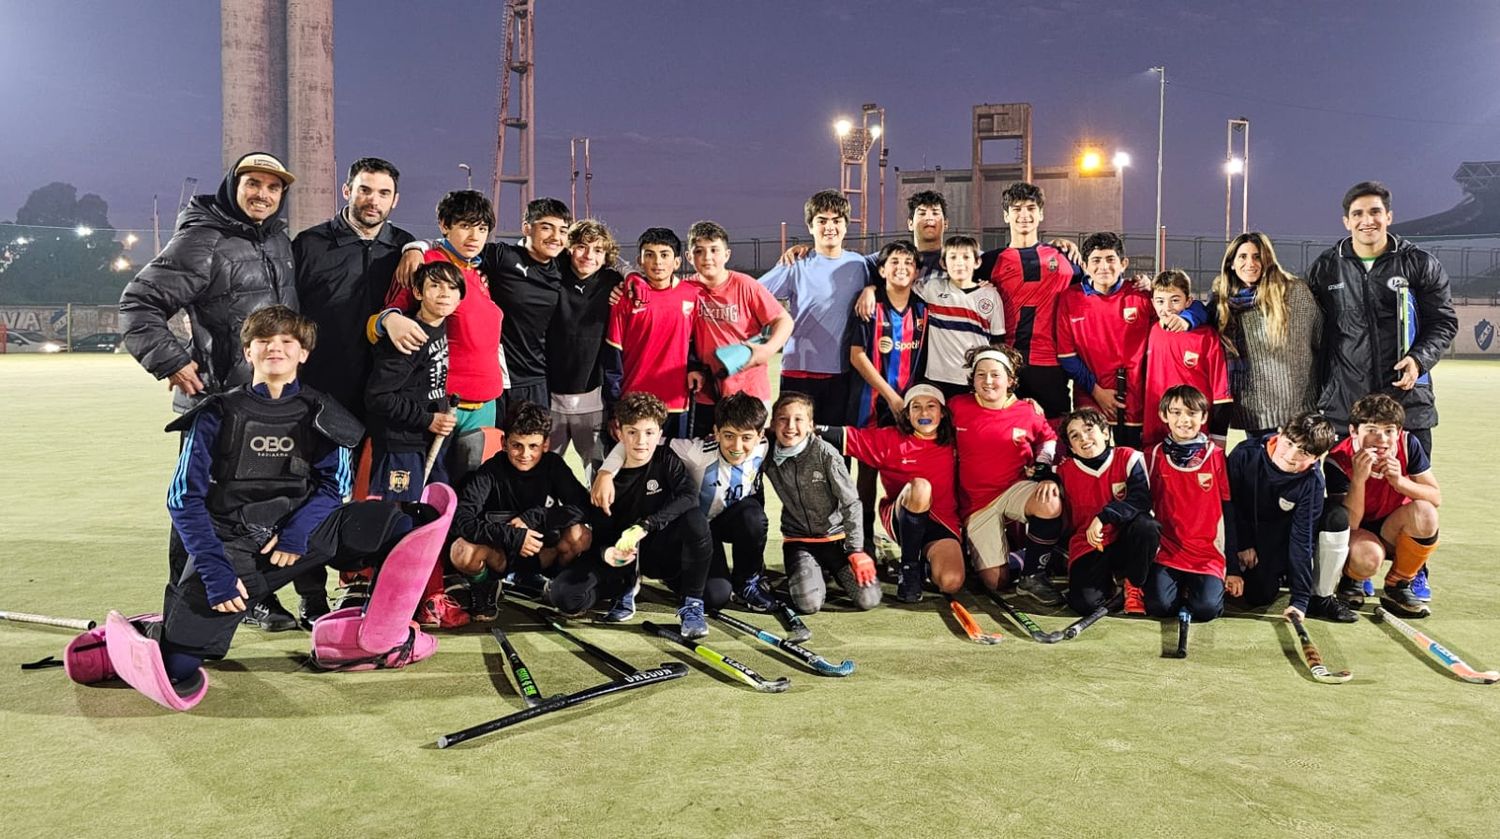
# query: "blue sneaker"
[1420,588]
[694,625]
[1369,588]
[624,606]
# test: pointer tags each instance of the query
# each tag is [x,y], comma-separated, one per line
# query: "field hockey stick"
[1438,651]
[819,664]
[1314,659]
[554,620]
[643,678]
[529,691]
[1184,620]
[692,409]
[48,620]
[437,443]
[796,630]
[1039,635]
[969,624]
[1076,628]
[721,662]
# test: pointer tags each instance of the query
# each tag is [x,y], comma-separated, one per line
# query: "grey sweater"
[818,498]
[1270,384]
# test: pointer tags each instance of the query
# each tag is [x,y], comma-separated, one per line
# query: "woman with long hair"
[1271,327]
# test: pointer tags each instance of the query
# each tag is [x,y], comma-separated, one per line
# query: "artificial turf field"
[932,736]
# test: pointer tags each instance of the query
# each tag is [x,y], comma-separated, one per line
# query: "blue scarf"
[1242,299]
[1189,454]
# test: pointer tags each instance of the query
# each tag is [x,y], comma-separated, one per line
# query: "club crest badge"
[985,306]
[1484,335]
[1018,435]
[1285,505]
[1190,359]
[687,308]
[1205,481]
[399,480]
[1131,313]
[1117,489]
[1052,264]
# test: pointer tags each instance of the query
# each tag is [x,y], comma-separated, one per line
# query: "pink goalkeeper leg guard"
[137,660]
[385,635]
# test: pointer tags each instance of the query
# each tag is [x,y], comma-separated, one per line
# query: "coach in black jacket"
[1362,283]
[344,270]
[229,256]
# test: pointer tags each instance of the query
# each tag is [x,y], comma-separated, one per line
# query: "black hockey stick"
[721,662]
[1314,658]
[819,664]
[1120,379]
[1184,620]
[642,678]
[796,630]
[554,620]
[1039,635]
[529,691]
[1076,628]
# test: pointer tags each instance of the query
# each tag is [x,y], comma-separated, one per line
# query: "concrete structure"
[1076,203]
[996,122]
[276,60]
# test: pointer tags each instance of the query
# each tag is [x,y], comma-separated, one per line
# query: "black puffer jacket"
[219,267]
[1360,336]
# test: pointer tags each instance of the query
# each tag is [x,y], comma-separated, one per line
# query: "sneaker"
[270,615]
[1135,599]
[312,607]
[754,596]
[1368,587]
[482,594]
[531,584]
[355,595]
[694,624]
[1330,608]
[440,612]
[1352,592]
[909,583]
[1420,588]
[1040,589]
[1398,597]
[624,606]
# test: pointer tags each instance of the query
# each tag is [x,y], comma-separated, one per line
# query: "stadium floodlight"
[83,230]
[1090,161]
[843,127]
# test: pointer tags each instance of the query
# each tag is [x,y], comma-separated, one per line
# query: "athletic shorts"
[936,531]
[985,528]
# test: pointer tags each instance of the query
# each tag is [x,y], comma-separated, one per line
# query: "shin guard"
[137,659]
[385,635]
[1410,556]
[1333,552]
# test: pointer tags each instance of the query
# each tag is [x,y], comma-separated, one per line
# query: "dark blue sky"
[724,110]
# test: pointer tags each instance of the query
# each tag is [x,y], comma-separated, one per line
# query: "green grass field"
[933,736]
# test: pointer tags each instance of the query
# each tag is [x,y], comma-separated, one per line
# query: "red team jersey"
[1087,492]
[732,314]
[994,448]
[1189,503]
[1031,281]
[652,329]
[474,366]
[1107,332]
[1192,358]
[900,458]
[1380,499]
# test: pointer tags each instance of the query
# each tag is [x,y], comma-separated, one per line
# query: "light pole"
[588,176]
[878,132]
[468,175]
[854,145]
[1121,160]
[1234,165]
[1161,124]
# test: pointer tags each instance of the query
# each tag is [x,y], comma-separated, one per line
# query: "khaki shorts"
[986,527]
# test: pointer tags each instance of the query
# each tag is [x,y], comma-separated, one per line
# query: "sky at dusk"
[724,109]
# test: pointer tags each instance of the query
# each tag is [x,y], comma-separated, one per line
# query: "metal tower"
[588,178]
[518,62]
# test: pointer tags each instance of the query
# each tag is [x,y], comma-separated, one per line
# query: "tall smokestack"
[309,102]
[252,60]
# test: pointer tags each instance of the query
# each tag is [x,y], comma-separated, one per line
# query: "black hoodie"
[219,267]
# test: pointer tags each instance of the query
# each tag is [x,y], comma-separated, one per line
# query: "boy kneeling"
[258,500]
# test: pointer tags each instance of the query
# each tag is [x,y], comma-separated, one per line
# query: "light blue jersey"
[820,292]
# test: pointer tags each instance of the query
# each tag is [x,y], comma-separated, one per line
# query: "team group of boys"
[943,370]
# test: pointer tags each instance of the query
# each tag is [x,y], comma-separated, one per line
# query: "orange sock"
[1410,556]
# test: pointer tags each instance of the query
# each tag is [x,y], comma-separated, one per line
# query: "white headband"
[924,390]
[994,355]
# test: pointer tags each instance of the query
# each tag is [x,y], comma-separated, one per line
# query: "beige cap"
[264,163]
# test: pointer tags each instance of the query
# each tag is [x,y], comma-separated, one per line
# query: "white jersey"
[957,319]
[720,483]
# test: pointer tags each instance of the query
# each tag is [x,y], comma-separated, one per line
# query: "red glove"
[864,568]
